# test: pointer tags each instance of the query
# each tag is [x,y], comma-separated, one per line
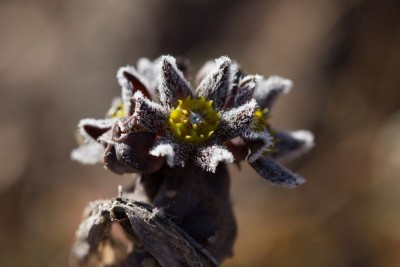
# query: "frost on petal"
[218,82]
[130,81]
[150,115]
[175,154]
[92,129]
[90,153]
[245,89]
[172,85]
[267,91]
[275,173]
[258,143]
[292,144]
[210,157]
[235,121]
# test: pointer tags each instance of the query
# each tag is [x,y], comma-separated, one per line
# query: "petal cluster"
[161,118]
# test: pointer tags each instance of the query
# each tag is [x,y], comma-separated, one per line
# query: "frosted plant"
[180,139]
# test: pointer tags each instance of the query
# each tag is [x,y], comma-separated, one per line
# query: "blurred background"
[58,61]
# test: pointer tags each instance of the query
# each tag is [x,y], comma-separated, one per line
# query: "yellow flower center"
[194,120]
[117,109]
[260,119]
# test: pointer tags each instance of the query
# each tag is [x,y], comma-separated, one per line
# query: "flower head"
[193,124]
[161,118]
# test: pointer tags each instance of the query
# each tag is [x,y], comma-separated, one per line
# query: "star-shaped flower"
[193,124]
[161,118]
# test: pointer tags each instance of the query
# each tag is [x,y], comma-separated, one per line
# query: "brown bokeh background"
[58,61]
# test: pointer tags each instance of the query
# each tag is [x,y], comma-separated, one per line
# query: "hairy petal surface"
[92,129]
[150,115]
[176,154]
[131,81]
[292,144]
[235,121]
[246,89]
[275,173]
[130,154]
[172,84]
[258,143]
[210,157]
[218,82]
[267,91]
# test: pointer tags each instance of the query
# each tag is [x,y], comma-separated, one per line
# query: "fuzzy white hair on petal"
[264,137]
[268,90]
[172,85]
[149,114]
[236,120]
[276,174]
[211,156]
[218,82]
[306,136]
[102,124]
[164,150]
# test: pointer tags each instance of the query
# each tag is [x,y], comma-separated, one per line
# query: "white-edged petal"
[92,129]
[275,173]
[236,120]
[246,89]
[218,82]
[292,144]
[258,143]
[210,157]
[130,81]
[172,85]
[149,114]
[175,154]
[268,90]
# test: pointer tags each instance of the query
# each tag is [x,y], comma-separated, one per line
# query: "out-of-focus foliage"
[58,64]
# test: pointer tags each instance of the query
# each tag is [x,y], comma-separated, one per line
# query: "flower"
[160,118]
[193,124]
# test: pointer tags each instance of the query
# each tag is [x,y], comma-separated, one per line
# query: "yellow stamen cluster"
[117,109]
[260,119]
[194,120]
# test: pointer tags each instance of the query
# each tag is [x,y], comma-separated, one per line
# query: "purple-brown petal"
[175,154]
[292,144]
[149,114]
[275,173]
[92,129]
[258,143]
[130,154]
[131,81]
[218,82]
[267,91]
[245,89]
[235,121]
[209,157]
[172,84]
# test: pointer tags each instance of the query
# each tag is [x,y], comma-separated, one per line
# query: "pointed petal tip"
[164,150]
[276,174]
[306,136]
[210,157]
